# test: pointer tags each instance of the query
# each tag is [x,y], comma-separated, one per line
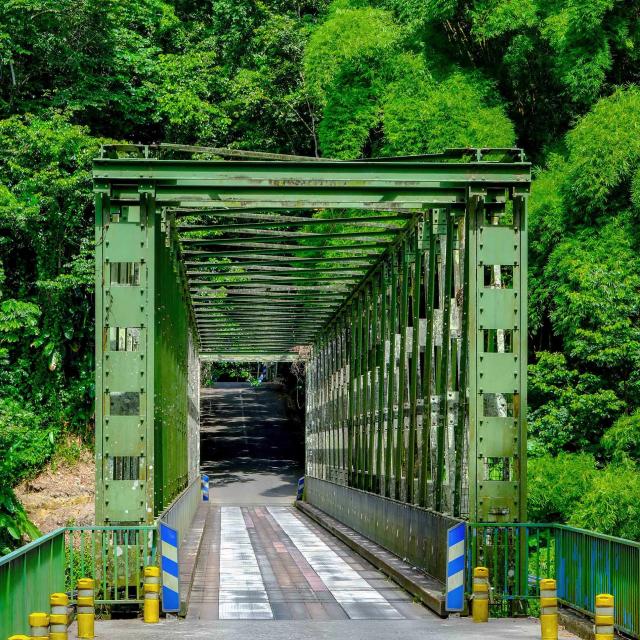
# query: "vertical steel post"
[427,367]
[381,377]
[415,355]
[372,384]
[404,304]
[443,365]
[391,395]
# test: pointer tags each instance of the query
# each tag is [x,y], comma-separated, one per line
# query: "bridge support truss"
[417,388]
[410,298]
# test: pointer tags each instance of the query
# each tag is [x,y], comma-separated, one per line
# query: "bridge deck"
[271,562]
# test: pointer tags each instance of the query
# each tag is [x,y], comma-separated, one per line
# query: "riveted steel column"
[381,379]
[443,364]
[427,367]
[124,359]
[351,424]
[372,386]
[415,355]
[391,393]
[400,453]
[497,346]
[461,436]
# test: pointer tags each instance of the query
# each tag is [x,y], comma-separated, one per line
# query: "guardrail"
[114,557]
[181,512]
[583,563]
[27,576]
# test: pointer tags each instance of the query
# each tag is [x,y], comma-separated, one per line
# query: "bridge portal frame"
[474,199]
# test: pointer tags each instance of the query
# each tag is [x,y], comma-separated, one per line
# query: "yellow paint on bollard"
[604,620]
[549,609]
[59,618]
[86,608]
[19,637]
[39,623]
[151,613]
[480,601]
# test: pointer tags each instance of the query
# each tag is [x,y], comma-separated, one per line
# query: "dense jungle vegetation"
[345,79]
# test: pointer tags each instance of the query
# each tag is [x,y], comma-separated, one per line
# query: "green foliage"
[211,372]
[569,410]
[424,116]
[611,504]
[622,441]
[570,489]
[352,43]
[25,445]
[379,98]
[14,523]
[556,485]
[604,152]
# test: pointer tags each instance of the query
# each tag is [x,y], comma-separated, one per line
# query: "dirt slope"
[63,494]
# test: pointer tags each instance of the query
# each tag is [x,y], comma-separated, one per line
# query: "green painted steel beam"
[253,279]
[383,200]
[278,302]
[310,315]
[279,213]
[263,248]
[255,356]
[320,273]
[284,176]
[380,237]
[291,221]
[252,288]
[258,261]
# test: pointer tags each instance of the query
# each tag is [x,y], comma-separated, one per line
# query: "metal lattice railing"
[114,557]
[517,555]
[584,563]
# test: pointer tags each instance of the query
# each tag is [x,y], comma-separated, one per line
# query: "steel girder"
[412,297]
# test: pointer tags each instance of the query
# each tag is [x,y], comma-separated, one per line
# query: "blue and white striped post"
[456,539]
[300,488]
[170,569]
[205,488]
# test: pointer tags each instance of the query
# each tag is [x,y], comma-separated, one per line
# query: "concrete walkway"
[451,629]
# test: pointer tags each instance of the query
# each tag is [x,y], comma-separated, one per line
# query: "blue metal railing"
[584,563]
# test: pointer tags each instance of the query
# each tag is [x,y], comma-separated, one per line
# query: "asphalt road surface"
[250,449]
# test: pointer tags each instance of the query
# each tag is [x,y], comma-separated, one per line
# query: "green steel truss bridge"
[401,282]
[400,285]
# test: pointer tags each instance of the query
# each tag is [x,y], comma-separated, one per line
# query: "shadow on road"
[249,447]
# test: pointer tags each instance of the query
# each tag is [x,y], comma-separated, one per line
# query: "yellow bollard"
[480,602]
[19,637]
[604,617]
[549,609]
[86,609]
[39,623]
[59,619]
[151,594]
